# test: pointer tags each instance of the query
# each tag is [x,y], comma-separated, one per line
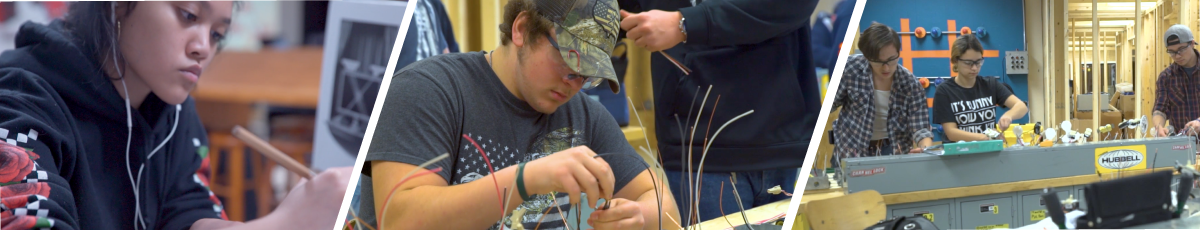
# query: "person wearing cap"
[520,139]
[884,110]
[1177,97]
[756,55]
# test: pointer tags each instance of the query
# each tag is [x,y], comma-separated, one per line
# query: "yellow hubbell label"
[1120,158]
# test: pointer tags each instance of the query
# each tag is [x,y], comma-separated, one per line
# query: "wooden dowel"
[271,152]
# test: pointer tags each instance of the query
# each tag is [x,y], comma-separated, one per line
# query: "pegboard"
[1016,62]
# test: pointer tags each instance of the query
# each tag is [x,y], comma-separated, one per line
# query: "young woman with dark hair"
[100,131]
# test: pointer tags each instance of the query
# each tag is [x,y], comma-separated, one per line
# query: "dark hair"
[91,26]
[964,43]
[536,26]
[875,37]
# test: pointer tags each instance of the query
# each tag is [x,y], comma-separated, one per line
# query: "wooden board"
[938,194]
[815,195]
[760,214]
[854,211]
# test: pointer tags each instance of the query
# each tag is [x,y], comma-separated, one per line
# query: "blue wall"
[1003,20]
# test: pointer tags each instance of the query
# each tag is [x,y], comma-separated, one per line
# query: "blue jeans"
[751,186]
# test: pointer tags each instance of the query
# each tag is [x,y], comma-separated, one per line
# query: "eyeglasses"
[587,82]
[1179,51]
[976,62]
[890,62]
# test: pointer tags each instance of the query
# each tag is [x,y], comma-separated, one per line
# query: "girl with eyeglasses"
[966,105]
[883,106]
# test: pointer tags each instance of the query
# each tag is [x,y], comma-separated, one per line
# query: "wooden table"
[280,77]
[236,82]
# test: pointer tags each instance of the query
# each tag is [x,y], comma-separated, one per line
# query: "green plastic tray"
[973,147]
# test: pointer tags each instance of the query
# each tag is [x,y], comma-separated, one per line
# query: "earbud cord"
[128,120]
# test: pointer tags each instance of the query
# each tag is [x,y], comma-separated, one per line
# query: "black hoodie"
[60,108]
[756,55]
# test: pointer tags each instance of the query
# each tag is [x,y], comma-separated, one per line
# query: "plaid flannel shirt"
[1178,94]
[908,116]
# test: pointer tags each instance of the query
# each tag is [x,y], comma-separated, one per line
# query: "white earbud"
[137,219]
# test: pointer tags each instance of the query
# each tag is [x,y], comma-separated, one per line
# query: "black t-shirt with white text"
[972,109]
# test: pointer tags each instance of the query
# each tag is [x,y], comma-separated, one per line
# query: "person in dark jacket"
[842,14]
[101,133]
[755,55]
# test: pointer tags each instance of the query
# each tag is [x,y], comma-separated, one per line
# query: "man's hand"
[1192,127]
[653,30]
[1160,131]
[621,214]
[315,204]
[571,171]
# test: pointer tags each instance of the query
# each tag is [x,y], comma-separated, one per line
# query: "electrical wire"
[657,193]
[386,201]
[649,170]
[708,127]
[496,182]
[633,109]
[383,213]
[705,153]
[683,146]
[672,220]
[692,179]
[721,204]
[544,214]
[681,160]
[560,214]
[360,221]
[738,198]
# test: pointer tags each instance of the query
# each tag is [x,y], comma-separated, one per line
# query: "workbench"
[757,215]
[1002,189]
[1181,223]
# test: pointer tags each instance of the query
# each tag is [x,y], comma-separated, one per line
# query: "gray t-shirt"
[432,106]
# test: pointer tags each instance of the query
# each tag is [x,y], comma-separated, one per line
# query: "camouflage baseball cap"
[586,31]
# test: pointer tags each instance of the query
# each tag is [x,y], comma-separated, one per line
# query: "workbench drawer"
[938,211]
[1033,208]
[987,212]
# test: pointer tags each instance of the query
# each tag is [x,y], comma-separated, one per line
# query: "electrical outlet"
[1016,62]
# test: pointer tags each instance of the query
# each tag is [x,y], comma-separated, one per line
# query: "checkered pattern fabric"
[24,186]
[18,137]
[908,116]
[1178,94]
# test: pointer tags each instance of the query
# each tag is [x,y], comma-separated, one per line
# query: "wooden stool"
[238,172]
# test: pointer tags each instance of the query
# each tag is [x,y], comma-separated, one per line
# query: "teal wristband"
[521,181]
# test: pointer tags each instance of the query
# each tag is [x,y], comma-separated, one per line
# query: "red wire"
[721,205]
[499,195]
[397,186]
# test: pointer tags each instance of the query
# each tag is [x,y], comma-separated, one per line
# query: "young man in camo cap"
[518,106]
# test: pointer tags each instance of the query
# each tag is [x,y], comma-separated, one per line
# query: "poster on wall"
[359,37]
